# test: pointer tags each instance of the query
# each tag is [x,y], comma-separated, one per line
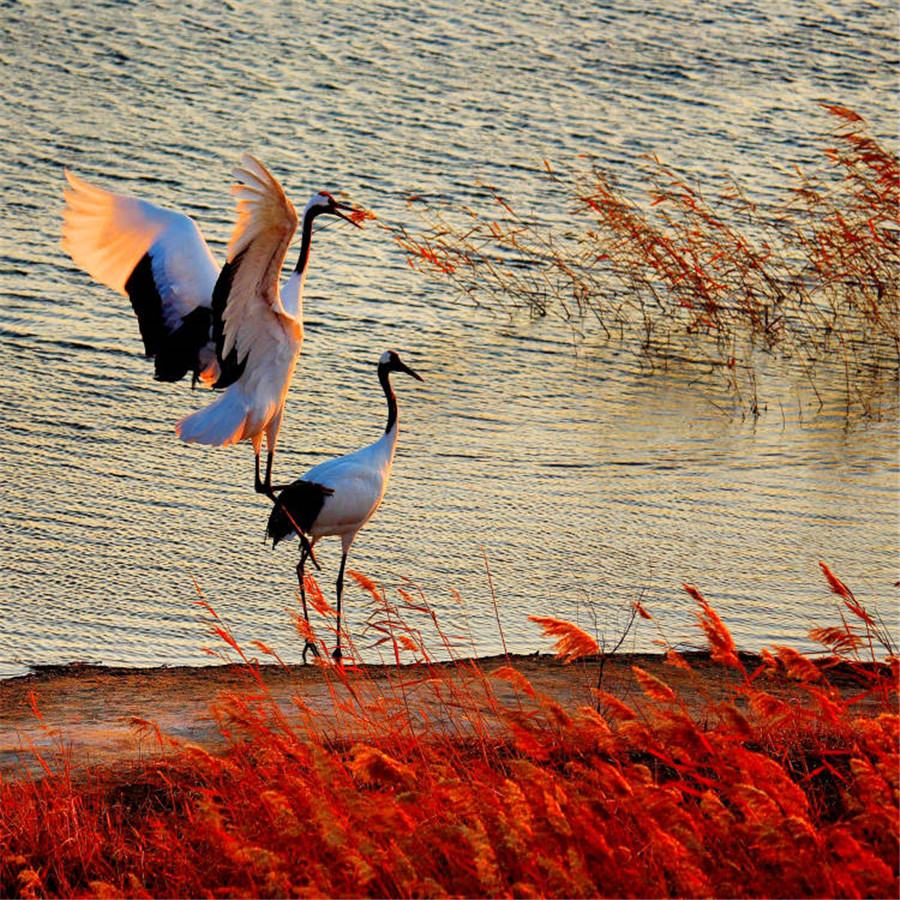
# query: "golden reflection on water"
[585,479]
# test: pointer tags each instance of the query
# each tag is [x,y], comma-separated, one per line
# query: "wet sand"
[88,710]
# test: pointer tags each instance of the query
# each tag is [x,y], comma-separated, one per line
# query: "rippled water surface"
[548,472]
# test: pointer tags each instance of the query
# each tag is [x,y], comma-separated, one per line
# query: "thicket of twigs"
[755,795]
[812,279]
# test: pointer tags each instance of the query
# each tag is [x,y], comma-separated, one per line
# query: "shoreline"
[88,711]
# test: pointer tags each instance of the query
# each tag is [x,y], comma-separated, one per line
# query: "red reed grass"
[754,795]
[814,277]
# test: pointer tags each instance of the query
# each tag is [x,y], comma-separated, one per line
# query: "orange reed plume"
[571,642]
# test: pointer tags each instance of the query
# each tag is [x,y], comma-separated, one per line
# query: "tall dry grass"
[813,278]
[781,787]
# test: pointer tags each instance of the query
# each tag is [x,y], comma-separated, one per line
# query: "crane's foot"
[310,647]
[266,489]
[337,656]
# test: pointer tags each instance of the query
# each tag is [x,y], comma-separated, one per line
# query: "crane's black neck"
[306,240]
[384,376]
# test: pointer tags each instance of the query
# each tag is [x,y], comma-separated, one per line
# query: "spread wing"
[156,257]
[109,234]
[246,296]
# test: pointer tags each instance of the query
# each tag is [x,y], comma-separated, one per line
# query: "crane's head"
[324,204]
[391,362]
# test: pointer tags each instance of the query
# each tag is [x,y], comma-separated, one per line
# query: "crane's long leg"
[340,590]
[257,483]
[308,645]
[265,487]
[268,482]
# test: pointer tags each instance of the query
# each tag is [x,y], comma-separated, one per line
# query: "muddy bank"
[90,710]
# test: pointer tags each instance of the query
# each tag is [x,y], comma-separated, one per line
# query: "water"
[551,471]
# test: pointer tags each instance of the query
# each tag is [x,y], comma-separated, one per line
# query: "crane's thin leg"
[308,645]
[257,484]
[340,590]
[268,482]
[265,487]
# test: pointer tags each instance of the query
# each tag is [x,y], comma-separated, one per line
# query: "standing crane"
[230,327]
[337,497]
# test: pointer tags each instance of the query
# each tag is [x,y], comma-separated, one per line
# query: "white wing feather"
[107,235]
[266,222]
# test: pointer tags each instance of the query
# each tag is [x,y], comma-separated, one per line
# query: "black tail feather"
[297,506]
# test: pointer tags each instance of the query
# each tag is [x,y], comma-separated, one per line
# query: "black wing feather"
[176,352]
[147,305]
[230,368]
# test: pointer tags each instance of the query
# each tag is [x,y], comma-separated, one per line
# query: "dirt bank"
[89,709]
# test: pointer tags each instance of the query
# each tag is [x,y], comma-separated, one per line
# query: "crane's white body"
[359,481]
[253,406]
[109,235]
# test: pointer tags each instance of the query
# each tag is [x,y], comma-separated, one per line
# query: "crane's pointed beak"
[338,211]
[402,367]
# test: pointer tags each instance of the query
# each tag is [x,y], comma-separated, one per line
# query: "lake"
[540,470]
